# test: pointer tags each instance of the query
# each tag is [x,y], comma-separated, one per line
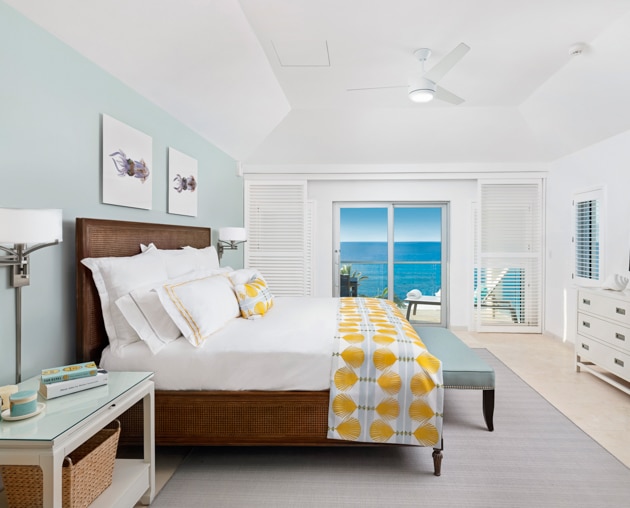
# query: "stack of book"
[67,379]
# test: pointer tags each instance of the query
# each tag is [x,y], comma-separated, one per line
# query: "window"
[588,236]
[509,262]
[386,250]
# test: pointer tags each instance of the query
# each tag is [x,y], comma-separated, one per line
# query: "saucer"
[6,414]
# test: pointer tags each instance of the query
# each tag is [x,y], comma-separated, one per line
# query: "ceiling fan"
[424,88]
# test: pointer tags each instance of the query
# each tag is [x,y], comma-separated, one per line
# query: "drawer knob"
[619,362]
[585,346]
[620,311]
[620,336]
[586,324]
[586,301]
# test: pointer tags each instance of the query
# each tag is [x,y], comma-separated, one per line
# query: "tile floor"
[546,364]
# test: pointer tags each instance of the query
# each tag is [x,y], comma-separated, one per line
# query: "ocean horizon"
[417,265]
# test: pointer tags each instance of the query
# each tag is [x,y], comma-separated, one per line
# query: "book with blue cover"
[66,372]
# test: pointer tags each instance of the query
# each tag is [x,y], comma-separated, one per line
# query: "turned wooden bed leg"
[488,408]
[437,459]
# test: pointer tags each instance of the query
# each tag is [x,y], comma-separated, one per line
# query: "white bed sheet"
[289,348]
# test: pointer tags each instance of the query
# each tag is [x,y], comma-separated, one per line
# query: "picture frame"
[183,183]
[127,165]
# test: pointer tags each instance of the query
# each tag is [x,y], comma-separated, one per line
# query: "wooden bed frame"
[193,418]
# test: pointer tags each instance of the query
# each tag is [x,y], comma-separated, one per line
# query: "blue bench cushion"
[461,367]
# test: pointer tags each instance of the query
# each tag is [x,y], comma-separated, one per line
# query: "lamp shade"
[233,234]
[30,226]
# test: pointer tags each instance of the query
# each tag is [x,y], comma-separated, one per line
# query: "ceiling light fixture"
[422,90]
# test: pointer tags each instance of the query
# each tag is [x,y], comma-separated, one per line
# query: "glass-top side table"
[68,421]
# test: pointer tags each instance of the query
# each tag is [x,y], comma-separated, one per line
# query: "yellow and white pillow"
[254,297]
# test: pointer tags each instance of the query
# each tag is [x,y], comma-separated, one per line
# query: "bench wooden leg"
[437,459]
[488,408]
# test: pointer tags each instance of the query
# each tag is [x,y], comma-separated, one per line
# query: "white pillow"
[144,312]
[244,275]
[186,260]
[118,276]
[199,306]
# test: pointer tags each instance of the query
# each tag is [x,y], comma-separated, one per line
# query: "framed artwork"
[182,183]
[127,164]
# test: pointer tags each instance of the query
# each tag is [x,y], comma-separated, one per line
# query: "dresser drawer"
[604,306]
[612,333]
[612,360]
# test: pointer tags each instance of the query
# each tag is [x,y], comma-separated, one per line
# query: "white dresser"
[603,337]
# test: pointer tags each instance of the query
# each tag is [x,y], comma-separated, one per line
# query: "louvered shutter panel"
[508,293]
[277,232]
[587,237]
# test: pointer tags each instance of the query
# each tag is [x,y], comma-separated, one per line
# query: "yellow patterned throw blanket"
[385,386]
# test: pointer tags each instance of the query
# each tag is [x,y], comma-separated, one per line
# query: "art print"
[182,183]
[127,165]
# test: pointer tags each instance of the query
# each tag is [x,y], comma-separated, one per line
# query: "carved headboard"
[104,238]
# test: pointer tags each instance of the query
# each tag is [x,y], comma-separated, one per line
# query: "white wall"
[460,194]
[607,165]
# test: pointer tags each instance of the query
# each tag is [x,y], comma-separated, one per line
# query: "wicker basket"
[86,473]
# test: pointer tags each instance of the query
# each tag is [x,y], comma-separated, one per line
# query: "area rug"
[536,457]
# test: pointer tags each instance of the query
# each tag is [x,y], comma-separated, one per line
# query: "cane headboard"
[103,238]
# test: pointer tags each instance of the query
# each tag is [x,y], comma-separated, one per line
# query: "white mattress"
[289,348]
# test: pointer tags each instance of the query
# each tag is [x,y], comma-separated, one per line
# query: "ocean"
[417,265]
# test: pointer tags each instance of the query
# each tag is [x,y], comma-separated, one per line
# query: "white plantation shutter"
[278,235]
[587,239]
[508,294]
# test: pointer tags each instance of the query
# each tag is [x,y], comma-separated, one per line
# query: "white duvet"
[289,348]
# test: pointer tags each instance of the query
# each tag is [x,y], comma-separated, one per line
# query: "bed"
[194,417]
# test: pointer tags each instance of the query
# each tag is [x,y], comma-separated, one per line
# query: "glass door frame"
[390,206]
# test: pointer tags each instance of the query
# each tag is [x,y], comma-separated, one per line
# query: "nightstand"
[68,421]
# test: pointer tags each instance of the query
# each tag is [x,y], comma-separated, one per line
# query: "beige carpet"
[536,457]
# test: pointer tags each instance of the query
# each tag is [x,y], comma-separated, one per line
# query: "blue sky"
[370,224]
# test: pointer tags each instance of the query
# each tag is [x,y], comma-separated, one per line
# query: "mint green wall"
[51,102]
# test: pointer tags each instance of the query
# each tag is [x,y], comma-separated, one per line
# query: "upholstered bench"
[461,367]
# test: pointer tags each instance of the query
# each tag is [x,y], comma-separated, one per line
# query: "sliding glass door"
[394,251]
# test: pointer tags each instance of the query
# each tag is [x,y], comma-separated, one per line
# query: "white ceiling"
[267,80]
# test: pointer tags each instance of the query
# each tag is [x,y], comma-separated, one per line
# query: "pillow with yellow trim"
[199,305]
[254,297]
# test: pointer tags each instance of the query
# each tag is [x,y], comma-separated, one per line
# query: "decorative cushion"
[254,297]
[118,276]
[199,305]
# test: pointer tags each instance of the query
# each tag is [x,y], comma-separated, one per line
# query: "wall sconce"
[21,227]
[229,238]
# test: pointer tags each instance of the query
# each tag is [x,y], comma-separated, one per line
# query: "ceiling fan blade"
[374,88]
[444,95]
[438,71]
